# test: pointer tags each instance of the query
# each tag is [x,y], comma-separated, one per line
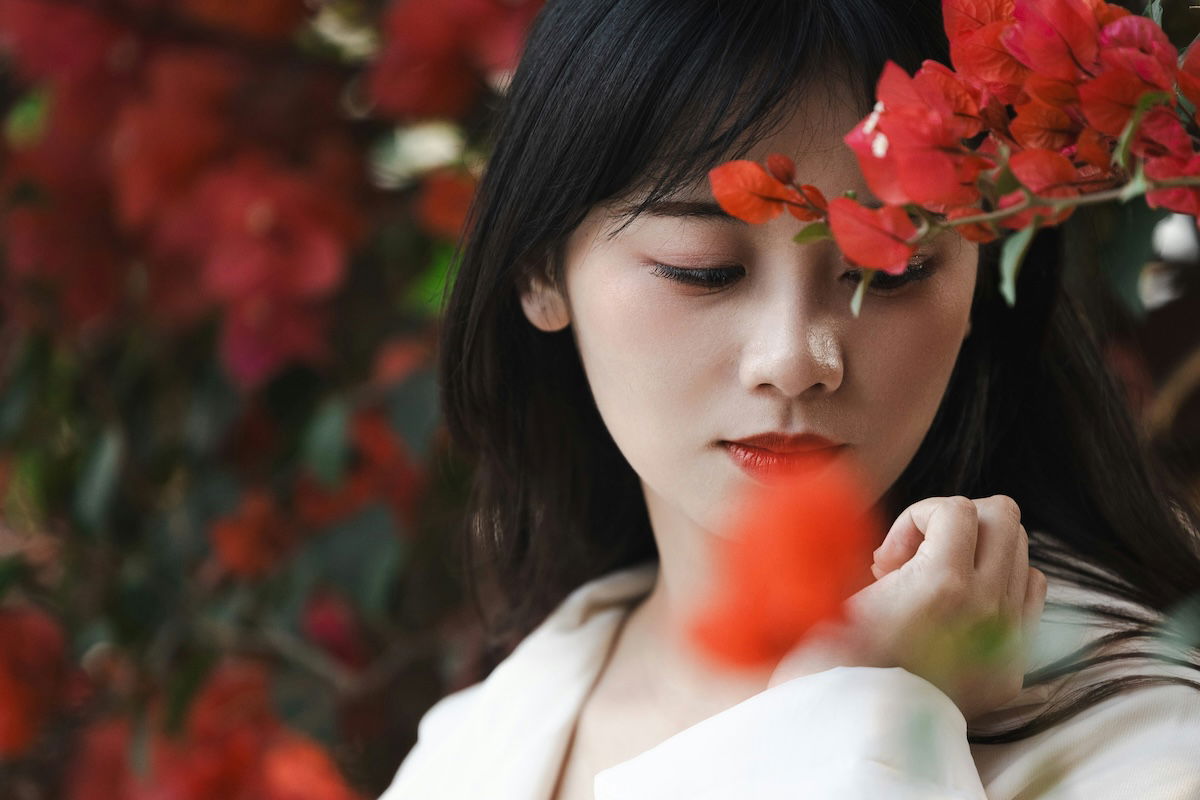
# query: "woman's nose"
[793,349]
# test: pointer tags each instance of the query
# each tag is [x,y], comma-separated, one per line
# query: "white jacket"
[845,733]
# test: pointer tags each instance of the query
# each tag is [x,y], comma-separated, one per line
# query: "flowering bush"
[224,230]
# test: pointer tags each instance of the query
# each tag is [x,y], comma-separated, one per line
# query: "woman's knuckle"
[961,505]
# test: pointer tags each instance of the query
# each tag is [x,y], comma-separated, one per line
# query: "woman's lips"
[761,463]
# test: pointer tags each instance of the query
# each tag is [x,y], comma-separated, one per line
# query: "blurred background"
[229,516]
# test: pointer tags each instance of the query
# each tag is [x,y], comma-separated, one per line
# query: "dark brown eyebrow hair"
[702,209]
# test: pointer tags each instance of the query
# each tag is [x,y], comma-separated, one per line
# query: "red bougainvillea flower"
[233,746]
[263,18]
[797,549]
[1094,148]
[421,70]
[1047,174]
[161,141]
[1055,38]
[271,244]
[1184,199]
[330,621]
[32,675]
[747,191]
[974,28]
[67,43]
[1137,44]
[261,333]
[1045,120]
[384,470]
[251,542]
[975,231]
[435,56]
[872,237]
[1188,76]
[296,768]
[1160,134]
[910,147]
[1108,101]
[444,201]
[398,358]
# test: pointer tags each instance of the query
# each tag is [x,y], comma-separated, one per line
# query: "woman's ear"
[544,305]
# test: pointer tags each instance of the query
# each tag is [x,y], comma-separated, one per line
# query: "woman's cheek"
[646,352]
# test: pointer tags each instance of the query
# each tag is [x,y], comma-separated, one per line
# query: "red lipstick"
[771,454]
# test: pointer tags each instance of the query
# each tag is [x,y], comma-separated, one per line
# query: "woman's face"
[678,370]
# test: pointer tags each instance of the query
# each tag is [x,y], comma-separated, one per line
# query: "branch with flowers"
[1049,106]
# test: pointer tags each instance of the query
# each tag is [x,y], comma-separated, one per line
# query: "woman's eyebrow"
[702,209]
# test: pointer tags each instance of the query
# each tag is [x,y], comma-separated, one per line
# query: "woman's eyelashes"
[707,277]
[919,268]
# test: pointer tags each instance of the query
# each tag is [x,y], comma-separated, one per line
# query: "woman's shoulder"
[616,589]
[541,678]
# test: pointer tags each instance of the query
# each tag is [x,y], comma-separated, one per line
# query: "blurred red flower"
[233,747]
[32,675]
[384,470]
[435,56]
[330,621]
[795,551]
[444,201]
[270,243]
[264,18]
[297,769]
[251,541]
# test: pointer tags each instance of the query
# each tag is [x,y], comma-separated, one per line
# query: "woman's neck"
[655,658]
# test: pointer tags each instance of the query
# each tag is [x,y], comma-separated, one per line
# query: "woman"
[614,346]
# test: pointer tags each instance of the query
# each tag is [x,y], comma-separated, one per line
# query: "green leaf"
[413,411]
[813,232]
[1154,11]
[1011,256]
[13,570]
[361,557]
[860,291]
[425,295]
[26,121]
[30,358]
[213,407]
[185,680]
[326,449]
[98,481]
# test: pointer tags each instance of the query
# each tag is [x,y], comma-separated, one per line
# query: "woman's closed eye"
[919,268]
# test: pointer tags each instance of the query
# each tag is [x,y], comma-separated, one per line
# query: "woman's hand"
[954,601]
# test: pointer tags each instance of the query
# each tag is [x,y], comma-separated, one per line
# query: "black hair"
[616,94]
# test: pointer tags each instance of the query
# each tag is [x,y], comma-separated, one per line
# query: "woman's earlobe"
[544,306]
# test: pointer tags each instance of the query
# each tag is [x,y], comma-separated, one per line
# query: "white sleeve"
[439,723]
[861,732]
[1142,743]
[845,733]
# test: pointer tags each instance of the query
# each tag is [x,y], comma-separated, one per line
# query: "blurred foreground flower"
[796,550]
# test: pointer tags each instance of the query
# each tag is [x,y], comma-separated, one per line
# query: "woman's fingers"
[901,542]
[1018,578]
[951,527]
[999,528]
